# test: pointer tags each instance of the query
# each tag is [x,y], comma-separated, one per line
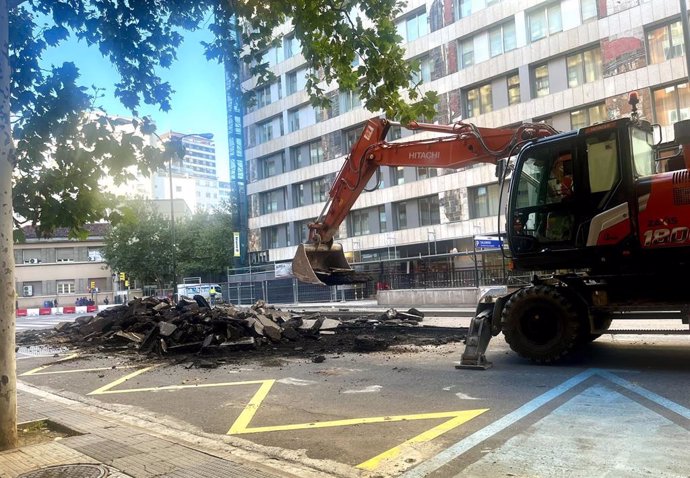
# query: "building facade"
[194,177]
[62,268]
[494,63]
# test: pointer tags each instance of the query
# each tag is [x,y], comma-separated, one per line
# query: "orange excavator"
[604,210]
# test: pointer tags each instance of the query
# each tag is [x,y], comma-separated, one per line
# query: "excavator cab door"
[544,199]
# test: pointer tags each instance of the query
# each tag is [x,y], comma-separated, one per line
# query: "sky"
[197,106]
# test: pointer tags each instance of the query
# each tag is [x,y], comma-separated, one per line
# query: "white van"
[204,290]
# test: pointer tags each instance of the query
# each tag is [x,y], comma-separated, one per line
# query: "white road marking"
[462,396]
[467,443]
[295,381]
[568,441]
[369,389]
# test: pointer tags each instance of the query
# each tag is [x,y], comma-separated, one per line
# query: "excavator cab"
[570,196]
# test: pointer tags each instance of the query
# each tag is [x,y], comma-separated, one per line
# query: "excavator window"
[643,152]
[545,188]
[602,162]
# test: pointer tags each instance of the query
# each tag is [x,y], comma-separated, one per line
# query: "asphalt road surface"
[619,407]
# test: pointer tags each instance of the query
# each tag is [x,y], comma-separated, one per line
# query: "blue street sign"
[488,242]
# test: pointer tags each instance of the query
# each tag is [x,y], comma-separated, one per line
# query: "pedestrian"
[55,302]
[105,301]
[212,293]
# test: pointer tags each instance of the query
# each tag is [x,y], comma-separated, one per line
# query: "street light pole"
[174,155]
[172,226]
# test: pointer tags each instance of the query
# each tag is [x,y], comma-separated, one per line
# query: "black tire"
[540,323]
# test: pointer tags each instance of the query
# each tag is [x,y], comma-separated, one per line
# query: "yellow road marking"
[241,424]
[355,421]
[106,390]
[117,382]
[56,372]
[249,411]
[459,419]
[43,367]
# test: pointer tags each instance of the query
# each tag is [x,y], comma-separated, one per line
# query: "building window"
[514,89]
[414,26]
[315,152]
[584,67]
[478,101]
[544,21]
[293,120]
[348,101]
[483,200]
[541,81]
[588,116]
[351,136]
[319,189]
[303,231]
[401,214]
[395,132]
[298,194]
[65,288]
[399,175]
[291,82]
[588,9]
[423,74]
[383,224]
[272,56]
[270,239]
[429,211]
[672,104]
[65,254]
[263,96]
[296,157]
[290,46]
[502,38]
[272,166]
[463,8]
[665,42]
[466,52]
[359,221]
[265,131]
[272,201]
[424,173]
[95,255]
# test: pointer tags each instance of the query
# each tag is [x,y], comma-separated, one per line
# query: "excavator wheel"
[540,323]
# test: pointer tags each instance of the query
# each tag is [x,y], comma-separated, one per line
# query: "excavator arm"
[319,261]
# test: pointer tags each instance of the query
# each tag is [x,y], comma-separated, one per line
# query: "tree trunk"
[8,374]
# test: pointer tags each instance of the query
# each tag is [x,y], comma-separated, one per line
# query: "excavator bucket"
[324,265]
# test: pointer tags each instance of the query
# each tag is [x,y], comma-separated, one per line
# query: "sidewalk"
[130,449]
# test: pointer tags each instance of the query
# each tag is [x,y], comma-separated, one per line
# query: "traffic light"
[122,276]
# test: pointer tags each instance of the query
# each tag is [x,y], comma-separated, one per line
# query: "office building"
[194,175]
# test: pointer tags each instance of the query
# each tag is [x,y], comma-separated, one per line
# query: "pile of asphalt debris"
[150,325]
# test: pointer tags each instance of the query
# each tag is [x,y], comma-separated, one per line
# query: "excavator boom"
[319,261]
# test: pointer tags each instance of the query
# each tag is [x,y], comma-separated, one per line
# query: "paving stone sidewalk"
[126,450]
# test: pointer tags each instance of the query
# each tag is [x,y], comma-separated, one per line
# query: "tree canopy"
[141,245]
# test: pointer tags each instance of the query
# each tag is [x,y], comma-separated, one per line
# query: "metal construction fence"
[268,282]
